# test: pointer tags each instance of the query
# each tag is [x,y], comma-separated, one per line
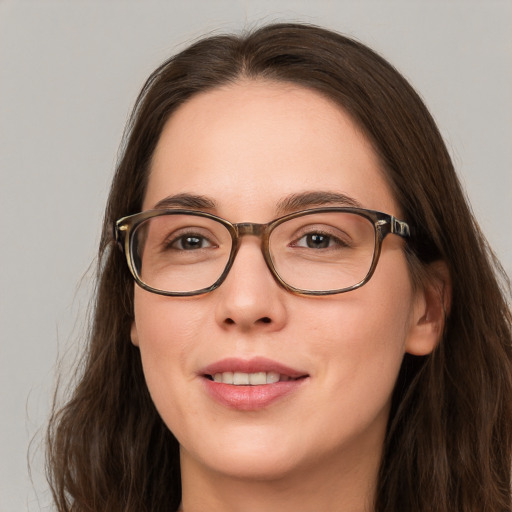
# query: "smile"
[249,379]
[251,385]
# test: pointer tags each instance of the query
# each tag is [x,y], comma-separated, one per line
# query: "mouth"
[250,385]
[251,379]
[258,371]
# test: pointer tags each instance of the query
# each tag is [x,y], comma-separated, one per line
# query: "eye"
[318,240]
[315,241]
[189,242]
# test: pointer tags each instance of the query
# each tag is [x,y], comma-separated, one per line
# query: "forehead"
[250,144]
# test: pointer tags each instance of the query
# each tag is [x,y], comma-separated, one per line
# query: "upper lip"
[253,365]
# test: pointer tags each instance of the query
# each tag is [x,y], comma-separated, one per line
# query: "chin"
[246,456]
[260,466]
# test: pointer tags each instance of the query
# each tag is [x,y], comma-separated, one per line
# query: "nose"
[250,298]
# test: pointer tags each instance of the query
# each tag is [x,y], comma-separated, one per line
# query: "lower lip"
[250,398]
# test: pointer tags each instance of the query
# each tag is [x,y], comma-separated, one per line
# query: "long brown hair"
[449,439]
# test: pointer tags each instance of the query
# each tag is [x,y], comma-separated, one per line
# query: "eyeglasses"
[320,251]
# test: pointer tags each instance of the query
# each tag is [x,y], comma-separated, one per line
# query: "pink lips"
[257,364]
[251,397]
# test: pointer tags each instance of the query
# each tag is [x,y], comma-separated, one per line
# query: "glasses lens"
[180,253]
[323,251]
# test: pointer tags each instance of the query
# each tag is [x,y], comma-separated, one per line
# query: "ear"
[134,335]
[430,311]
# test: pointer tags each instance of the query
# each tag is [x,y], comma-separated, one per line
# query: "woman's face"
[247,148]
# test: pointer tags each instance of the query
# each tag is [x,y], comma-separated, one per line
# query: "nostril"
[262,320]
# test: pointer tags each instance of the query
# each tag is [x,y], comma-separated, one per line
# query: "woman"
[352,355]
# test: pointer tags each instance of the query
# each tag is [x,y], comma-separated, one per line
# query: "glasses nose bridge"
[250,229]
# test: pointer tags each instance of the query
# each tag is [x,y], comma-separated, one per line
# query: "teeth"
[257,378]
[272,377]
[227,377]
[252,379]
[240,379]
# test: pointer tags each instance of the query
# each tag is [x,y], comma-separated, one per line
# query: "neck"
[346,486]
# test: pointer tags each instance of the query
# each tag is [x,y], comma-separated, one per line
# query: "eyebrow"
[291,203]
[308,199]
[188,201]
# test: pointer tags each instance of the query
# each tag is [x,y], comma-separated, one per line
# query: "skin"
[248,146]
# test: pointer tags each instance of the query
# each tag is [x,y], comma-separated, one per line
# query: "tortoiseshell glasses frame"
[383,225]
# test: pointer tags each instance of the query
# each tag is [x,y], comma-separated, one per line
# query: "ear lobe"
[431,310]
[134,335]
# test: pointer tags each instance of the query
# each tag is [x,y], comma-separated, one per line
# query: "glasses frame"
[383,224]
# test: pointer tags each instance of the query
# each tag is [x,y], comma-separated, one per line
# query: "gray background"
[69,73]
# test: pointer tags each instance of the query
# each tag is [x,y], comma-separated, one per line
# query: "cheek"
[166,325]
[167,330]
[361,338]
[360,346]
[364,324]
